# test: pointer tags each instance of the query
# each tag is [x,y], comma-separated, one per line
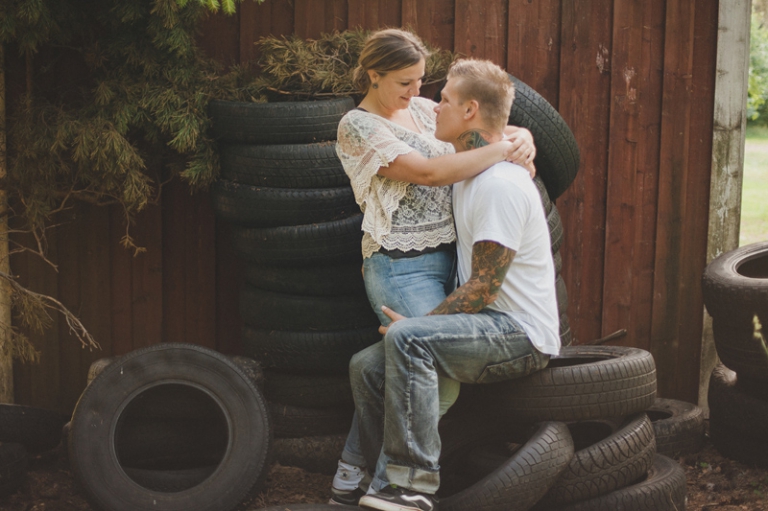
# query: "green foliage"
[134,119]
[757,99]
[317,67]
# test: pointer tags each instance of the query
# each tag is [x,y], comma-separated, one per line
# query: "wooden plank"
[189,261]
[637,57]
[220,37]
[375,14]
[694,230]
[433,21]
[316,17]
[121,285]
[585,83]
[147,279]
[674,173]
[230,271]
[273,17]
[533,45]
[481,30]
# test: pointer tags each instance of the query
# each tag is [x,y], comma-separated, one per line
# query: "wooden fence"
[633,79]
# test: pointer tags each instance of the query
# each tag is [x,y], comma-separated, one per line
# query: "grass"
[754,198]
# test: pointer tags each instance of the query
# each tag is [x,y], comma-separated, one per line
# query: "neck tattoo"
[473,139]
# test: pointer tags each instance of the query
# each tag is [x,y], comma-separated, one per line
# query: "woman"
[401,176]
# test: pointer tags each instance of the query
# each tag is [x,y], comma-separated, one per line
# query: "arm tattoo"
[490,262]
[474,138]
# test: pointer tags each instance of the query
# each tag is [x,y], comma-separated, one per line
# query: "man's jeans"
[413,287]
[471,348]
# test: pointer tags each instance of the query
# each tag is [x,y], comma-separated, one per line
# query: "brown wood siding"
[634,80]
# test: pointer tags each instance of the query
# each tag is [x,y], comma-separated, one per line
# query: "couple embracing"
[446,191]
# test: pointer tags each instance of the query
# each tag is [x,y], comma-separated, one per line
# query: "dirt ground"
[714,484]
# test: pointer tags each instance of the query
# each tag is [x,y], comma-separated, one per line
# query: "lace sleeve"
[364,145]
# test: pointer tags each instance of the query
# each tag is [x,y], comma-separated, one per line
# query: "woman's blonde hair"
[489,85]
[387,50]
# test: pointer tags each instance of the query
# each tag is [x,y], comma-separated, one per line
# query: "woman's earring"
[375,85]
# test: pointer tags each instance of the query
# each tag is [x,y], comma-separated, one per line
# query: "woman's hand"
[523,148]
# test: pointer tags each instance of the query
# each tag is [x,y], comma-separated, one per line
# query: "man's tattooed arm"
[490,262]
[474,138]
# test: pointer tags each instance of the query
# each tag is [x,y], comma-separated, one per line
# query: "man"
[502,321]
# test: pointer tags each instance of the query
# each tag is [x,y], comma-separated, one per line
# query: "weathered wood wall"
[634,80]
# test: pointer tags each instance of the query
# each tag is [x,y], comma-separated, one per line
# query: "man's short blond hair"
[489,85]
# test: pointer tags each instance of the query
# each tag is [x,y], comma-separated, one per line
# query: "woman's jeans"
[413,287]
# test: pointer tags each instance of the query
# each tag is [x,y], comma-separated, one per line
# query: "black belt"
[400,254]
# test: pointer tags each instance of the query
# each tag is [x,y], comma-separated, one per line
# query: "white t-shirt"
[503,205]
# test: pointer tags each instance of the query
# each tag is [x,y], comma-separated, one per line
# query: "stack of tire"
[735,288]
[296,224]
[576,436]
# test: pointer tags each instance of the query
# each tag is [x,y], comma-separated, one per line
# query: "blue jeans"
[470,348]
[413,287]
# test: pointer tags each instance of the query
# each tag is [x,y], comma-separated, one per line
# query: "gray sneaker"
[392,498]
[346,498]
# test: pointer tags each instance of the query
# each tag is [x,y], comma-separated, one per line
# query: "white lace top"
[396,215]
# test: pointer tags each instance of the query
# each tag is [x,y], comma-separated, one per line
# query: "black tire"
[546,202]
[105,407]
[555,224]
[37,429]
[557,257]
[313,453]
[13,467]
[736,419]
[299,421]
[248,365]
[664,489]
[582,383]
[284,166]
[735,289]
[278,123]
[523,478]
[280,311]
[170,481]
[562,295]
[301,245]
[557,153]
[326,280]
[308,390]
[272,207]
[304,507]
[679,427]
[606,463]
[308,352]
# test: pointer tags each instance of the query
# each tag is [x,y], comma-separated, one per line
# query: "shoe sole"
[382,505]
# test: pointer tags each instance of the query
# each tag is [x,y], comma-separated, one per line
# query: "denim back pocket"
[511,369]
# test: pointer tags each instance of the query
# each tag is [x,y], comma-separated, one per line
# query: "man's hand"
[523,149]
[394,316]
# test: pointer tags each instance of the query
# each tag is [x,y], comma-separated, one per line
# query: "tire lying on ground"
[663,489]
[13,467]
[295,122]
[239,431]
[736,419]
[679,427]
[283,166]
[310,352]
[300,421]
[301,245]
[271,207]
[308,390]
[524,478]
[735,290]
[37,429]
[582,383]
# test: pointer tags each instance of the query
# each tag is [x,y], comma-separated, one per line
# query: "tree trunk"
[6,361]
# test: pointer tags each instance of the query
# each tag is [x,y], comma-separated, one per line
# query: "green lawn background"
[754,198]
